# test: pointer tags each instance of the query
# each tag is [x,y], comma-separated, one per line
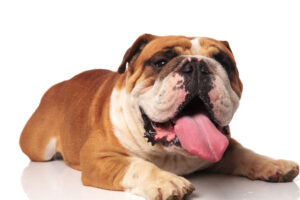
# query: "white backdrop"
[45,42]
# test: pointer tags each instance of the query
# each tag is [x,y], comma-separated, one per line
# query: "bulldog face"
[187,90]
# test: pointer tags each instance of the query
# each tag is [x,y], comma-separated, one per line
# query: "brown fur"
[72,112]
[238,160]
[77,114]
[208,48]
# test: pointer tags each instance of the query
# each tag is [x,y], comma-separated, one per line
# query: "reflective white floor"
[55,180]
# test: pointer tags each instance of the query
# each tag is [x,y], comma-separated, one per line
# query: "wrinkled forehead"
[186,46]
[167,42]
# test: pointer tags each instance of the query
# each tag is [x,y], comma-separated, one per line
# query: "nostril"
[188,68]
[203,68]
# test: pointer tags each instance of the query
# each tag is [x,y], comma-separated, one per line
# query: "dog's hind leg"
[40,137]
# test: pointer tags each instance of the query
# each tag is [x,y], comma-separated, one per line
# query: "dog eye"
[160,63]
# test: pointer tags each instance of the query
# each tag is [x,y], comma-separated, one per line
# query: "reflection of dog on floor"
[54,180]
[166,114]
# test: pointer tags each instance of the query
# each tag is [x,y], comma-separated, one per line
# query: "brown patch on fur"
[148,77]
[209,48]
[182,50]
[137,47]
[227,45]
[136,67]
[76,113]
[171,66]
[161,43]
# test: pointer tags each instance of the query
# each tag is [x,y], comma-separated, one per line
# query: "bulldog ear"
[137,46]
[226,45]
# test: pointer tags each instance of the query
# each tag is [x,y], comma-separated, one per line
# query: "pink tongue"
[198,135]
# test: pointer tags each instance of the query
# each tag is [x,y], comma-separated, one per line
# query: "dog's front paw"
[274,170]
[167,186]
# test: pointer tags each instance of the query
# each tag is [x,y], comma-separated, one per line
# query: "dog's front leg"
[238,160]
[145,179]
[106,167]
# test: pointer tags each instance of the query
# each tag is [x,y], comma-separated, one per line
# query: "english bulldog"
[165,113]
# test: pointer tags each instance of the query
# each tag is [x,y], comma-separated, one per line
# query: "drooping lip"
[163,132]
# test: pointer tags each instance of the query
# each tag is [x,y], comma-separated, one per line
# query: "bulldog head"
[187,90]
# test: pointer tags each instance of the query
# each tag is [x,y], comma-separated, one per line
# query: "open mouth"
[193,128]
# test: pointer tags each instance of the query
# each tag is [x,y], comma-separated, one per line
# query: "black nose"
[187,68]
[195,65]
